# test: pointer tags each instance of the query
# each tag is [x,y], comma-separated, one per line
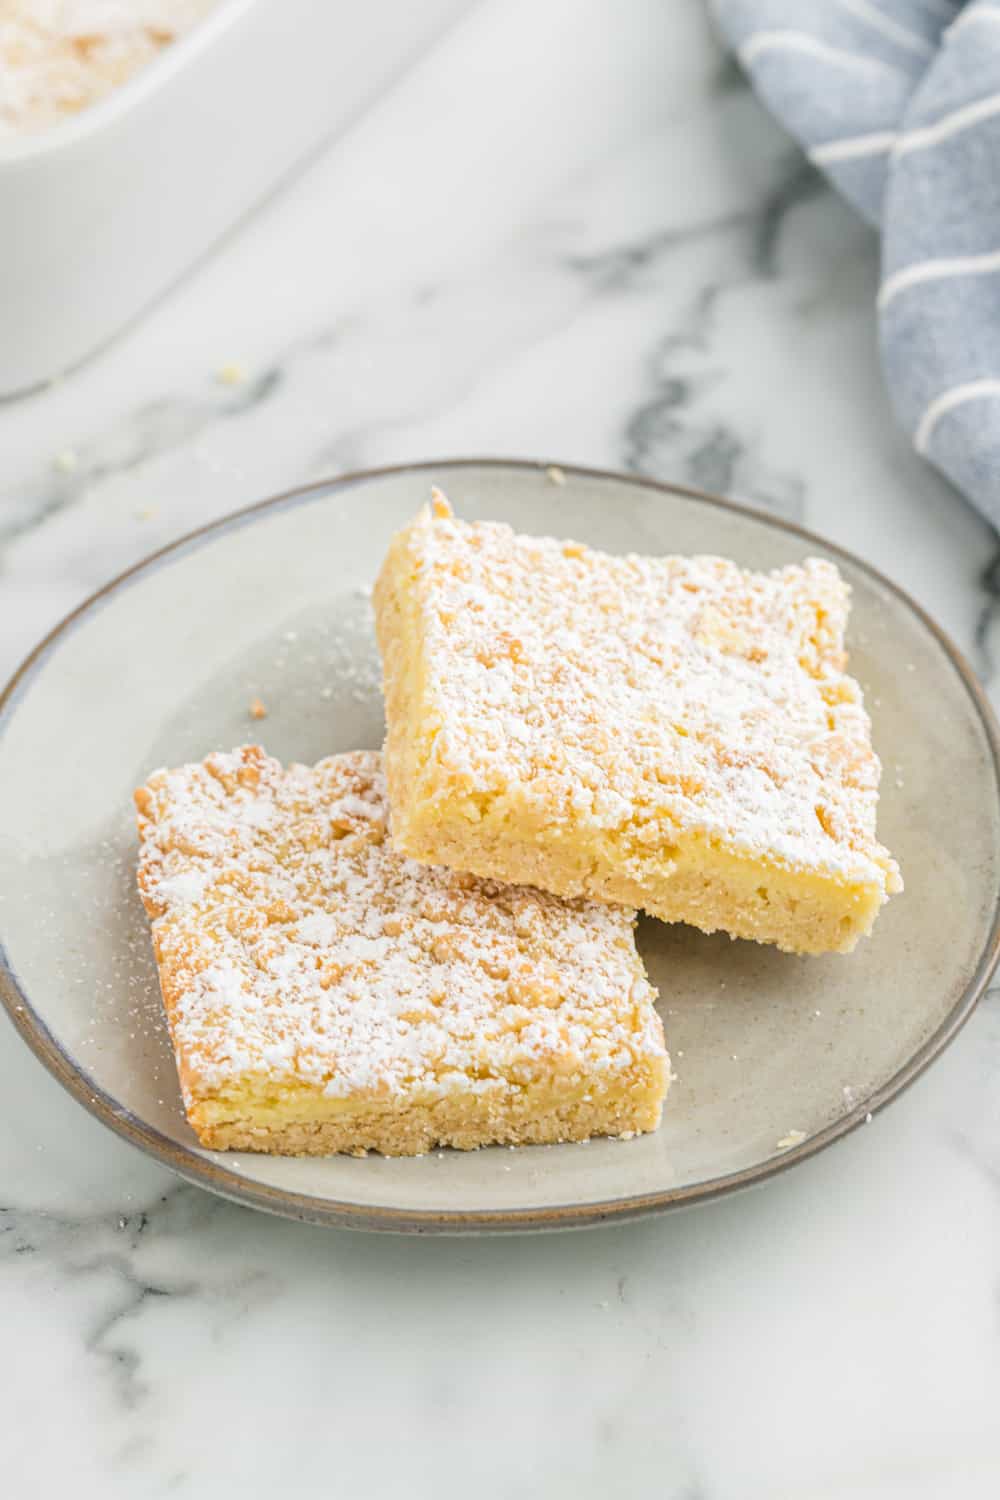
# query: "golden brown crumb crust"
[325,993]
[672,733]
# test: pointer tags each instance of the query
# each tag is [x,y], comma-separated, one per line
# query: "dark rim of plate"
[195,1167]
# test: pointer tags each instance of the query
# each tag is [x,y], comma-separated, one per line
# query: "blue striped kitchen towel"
[898,102]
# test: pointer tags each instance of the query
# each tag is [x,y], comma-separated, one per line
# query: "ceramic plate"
[776,1056]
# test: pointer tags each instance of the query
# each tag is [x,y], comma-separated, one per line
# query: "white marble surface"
[570,233]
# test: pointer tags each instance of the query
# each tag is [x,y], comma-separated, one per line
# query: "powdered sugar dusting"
[299,945]
[185,888]
[651,697]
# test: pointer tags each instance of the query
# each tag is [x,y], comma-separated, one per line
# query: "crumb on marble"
[793,1138]
[555,475]
[231,373]
[257,710]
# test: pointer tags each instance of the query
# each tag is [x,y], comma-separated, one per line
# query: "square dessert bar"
[672,733]
[324,993]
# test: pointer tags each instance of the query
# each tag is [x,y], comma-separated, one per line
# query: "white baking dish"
[101,212]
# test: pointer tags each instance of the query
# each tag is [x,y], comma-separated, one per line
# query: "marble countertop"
[569,232]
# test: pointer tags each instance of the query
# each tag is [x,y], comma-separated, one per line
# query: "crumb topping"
[653,697]
[294,942]
[60,56]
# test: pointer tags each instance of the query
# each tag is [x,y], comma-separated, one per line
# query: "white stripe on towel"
[937,270]
[853,146]
[891,29]
[970,14]
[959,119]
[974,390]
[801,41]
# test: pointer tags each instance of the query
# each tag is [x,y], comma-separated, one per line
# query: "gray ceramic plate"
[161,666]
